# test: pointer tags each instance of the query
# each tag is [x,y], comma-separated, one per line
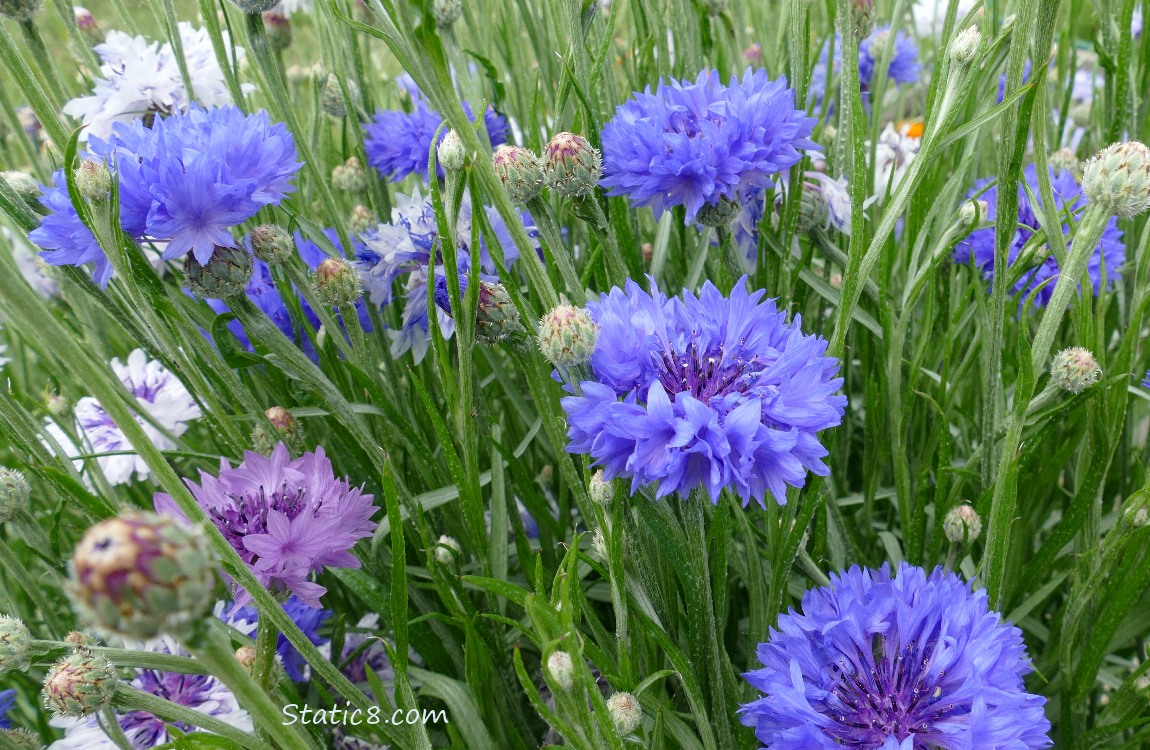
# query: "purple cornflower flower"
[704,392]
[1026,68]
[199,692]
[908,662]
[287,519]
[693,144]
[307,618]
[404,248]
[903,68]
[398,143]
[185,181]
[978,247]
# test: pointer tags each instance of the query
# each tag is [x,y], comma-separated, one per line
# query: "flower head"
[903,68]
[287,519]
[904,662]
[405,248]
[398,143]
[79,684]
[978,247]
[704,392]
[693,144]
[1118,178]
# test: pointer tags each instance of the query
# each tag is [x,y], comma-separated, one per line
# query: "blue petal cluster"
[978,247]
[308,619]
[903,68]
[909,662]
[398,143]
[262,291]
[693,144]
[185,181]
[704,392]
[405,248]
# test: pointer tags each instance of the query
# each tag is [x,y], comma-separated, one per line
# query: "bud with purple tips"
[520,172]
[496,317]
[80,684]
[962,525]
[567,336]
[271,244]
[626,713]
[337,283]
[1075,369]
[573,165]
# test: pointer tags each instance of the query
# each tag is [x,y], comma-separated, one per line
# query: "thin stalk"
[44,60]
[549,229]
[126,657]
[130,699]
[32,588]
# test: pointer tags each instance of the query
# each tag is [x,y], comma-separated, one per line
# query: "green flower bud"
[626,713]
[20,10]
[496,318]
[246,656]
[1065,160]
[567,336]
[349,177]
[93,180]
[255,6]
[271,244]
[226,273]
[15,644]
[520,172]
[337,283]
[361,219]
[19,739]
[862,16]
[719,214]
[962,525]
[447,550]
[284,428]
[141,574]
[716,7]
[1118,179]
[278,29]
[965,45]
[24,185]
[79,685]
[972,212]
[451,152]
[561,670]
[446,12]
[1074,369]
[601,490]
[332,101]
[14,493]
[573,165]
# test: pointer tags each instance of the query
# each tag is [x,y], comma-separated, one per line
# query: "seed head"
[337,283]
[520,172]
[626,713]
[15,644]
[962,525]
[226,273]
[561,670]
[574,166]
[1074,369]
[1118,179]
[278,29]
[79,685]
[567,336]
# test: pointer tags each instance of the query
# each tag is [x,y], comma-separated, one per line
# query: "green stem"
[130,699]
[125,657]
[33,589]
[267,637]
[44,60]
[38,100]
[553,239]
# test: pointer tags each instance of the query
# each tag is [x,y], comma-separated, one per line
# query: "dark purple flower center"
[185,689]
[248,514]
[892,695]
[703,374]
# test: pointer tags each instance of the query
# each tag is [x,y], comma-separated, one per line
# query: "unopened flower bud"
[19,739]
[1118,179]
[79,685]
[965,45]
[246,656]
[1074,369]
[962,524]
[814,213]
[520,172]
[14,493]
[87,24]
[452,154]
[573,166]
[862,16]
[561,670]
[446,550]
[446,12]
[647,250]
[57,405]
[349,177]
[142,574]
[24,185]
[226,273]
[20,10]
[626,713]
[567,336]
[496,317]
[719,214]
[80,639]
[599,545]
[361,219]
[1065,160]
[255,6]
[337,283]
[753,55]
[278,29]
[93,180]
[972,212]
[602,490]
[284,429]
[271,244]
[15,644]
[715,7]
[332,101]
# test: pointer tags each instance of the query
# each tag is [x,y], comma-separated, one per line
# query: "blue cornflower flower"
[405,247]
[693,144]
[7,701]
[903,68]
[1026,68]
[908,662]
[185,181]
[1146,381]
[978,247]
[704,392]
[307,618]
[262,291]
[399,143]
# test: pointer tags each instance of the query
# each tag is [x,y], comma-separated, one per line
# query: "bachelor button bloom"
[404,248]
[1146,381]
[893,154]
[704,392]
[199,692]
[903,68]
[7,701]
[160,394]
[826,203]
[186,180]
[398,143]
[908,662]
[693,144]
[307,618]
[141,79]
[287,519]
[978,247]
